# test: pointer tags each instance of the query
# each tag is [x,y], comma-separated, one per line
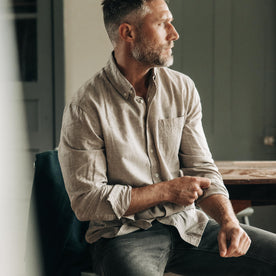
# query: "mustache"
[169,46]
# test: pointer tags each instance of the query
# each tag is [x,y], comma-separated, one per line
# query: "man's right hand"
[185,190]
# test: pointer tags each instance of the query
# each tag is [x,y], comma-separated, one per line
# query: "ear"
[126,32]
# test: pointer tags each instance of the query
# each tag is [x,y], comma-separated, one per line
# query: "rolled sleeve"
[215,189]
[84,168]
[119,199]
[195,156]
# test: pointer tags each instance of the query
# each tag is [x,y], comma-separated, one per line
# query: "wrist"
[164,191]
[229,221]
[219,208]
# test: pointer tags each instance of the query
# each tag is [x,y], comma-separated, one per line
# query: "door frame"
[58,68]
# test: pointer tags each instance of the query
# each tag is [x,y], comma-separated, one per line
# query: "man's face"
[154,38]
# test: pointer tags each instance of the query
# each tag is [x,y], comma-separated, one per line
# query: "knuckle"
[240,252]
[200,192]
[197,188]
[193,179]
[235,245]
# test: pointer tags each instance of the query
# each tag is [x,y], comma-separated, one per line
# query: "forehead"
[157,10]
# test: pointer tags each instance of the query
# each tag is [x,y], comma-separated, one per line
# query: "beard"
[146,52]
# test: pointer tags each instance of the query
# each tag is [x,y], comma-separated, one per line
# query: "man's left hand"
[233,240]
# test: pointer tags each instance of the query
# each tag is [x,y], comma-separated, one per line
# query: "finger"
[195,195]
[222,243]
[244,244]
[247,245]
[235,246]
[204,183]
[240,246]
[248,242]
[199,192]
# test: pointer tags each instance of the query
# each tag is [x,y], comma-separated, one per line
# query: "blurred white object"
[15,164]
[244,215]
[269,141]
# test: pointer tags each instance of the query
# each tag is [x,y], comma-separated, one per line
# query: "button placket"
[153,160]
[150,144]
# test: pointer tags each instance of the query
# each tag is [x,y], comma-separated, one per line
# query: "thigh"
[205,259]
[144,252]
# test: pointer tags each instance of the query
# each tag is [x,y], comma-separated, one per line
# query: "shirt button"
[151,150]
[156,175]
[125,94]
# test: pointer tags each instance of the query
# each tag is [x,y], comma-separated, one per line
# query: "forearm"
[182,191]
[146,197]
[219,208]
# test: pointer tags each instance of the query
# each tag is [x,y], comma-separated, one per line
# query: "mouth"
[170,48]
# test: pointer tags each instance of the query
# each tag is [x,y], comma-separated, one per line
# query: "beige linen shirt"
[113,140]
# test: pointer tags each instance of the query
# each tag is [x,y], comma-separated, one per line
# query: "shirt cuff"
[119,199]
[215,189]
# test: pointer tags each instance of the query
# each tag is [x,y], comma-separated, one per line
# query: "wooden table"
[250,183]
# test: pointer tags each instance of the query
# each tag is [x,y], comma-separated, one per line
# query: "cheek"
[157,35]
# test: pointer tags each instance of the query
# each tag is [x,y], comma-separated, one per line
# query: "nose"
[173,34]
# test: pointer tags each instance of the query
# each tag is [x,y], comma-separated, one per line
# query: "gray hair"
[116,12]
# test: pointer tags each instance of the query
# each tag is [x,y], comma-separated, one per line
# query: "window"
[24,15]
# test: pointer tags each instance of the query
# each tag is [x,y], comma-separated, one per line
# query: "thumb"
[222,243]
[205,183]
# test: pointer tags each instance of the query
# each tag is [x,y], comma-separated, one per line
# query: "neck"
[135,72]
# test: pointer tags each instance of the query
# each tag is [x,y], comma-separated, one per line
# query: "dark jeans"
[160,248]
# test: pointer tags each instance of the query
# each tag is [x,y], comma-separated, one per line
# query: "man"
[135,161]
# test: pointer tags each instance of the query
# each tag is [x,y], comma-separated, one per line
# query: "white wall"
[87,46]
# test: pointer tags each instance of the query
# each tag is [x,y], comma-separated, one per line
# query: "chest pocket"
[170,134]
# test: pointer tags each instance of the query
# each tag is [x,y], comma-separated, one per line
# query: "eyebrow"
[166,16]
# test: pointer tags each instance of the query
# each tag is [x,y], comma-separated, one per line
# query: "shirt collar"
[117,79]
